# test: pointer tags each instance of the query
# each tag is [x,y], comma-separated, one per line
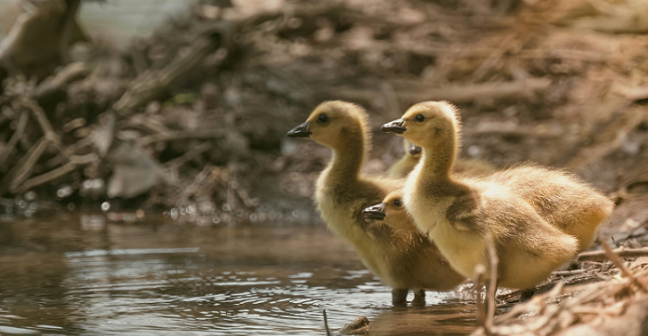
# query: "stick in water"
[328,332]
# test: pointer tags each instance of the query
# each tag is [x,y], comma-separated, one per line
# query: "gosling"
[467,167]
[561,199]
[403,260]
[406,164]
[459,213]
[392,212]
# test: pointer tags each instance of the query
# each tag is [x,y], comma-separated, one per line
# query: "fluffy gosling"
[459,213]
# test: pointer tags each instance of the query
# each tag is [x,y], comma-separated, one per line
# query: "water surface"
[74,274]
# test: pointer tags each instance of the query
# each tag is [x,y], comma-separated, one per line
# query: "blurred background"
[147,187]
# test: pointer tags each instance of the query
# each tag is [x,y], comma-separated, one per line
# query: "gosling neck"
[438,161]
[347,161]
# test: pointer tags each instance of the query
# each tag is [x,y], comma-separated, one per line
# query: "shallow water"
[63,275]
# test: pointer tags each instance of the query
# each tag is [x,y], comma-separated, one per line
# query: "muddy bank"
[195,116]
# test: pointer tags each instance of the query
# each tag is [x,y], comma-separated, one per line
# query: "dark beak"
[375,212]
[300,131]
[415,150]
[395,126]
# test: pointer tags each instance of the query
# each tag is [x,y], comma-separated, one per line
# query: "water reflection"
[61,276]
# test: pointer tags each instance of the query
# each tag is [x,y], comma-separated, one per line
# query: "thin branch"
[188,156]
[177,135]
[71,73]
[480,271]
[20,130]
[45,125]
[619,263]
[328,331]
[621,252]
[75,163]
[21,170]
[492,287]
[68,23]
[493,58]
[453,93]
[153,83]
[69,151]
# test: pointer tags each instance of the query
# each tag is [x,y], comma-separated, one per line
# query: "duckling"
[473,167]
[403,260]
[458,213]
[467,167]
[561,199]
[405,165]
[392,212]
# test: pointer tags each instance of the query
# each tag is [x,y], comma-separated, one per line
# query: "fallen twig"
[494,58]
[20,130]
[621,252]
[69,151]
[152,83]
[72,72]
[328,332]
[74,163]
[480,270]
[21,170]
[69,20]
[492,287]
[177,135]
[619,263]
[45,125]
[186,157]
[453,93]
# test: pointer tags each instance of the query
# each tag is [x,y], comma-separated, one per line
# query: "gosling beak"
[415,150]
[301,131]
[375,212]
[395,126]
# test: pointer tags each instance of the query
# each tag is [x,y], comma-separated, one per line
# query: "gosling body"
[561,199]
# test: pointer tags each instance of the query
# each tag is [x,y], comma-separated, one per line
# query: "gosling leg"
[419,297]
[399,296]
[527,294]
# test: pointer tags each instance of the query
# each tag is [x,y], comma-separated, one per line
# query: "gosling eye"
[397,203]
[419,118]
[323,118]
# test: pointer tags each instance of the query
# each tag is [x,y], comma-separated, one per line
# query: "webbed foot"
[527,294]
[419,297]
[399,296]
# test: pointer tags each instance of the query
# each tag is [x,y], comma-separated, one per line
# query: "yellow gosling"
[561,199]
[403,260]
[407,163]
[458,213]
[392,212]
[467,167]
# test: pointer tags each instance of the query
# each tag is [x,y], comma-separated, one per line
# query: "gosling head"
[392,212]
[411,150]
[334,124]
[415,150]
[427,124]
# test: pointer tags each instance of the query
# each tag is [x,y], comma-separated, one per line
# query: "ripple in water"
[166,279]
